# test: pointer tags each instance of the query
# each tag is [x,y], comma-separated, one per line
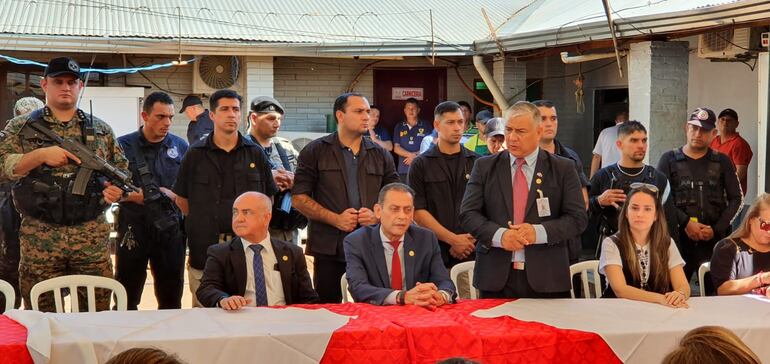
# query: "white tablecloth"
[210,335]
[640,332]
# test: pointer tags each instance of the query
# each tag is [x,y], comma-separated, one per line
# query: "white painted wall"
[719,85]
[119,107]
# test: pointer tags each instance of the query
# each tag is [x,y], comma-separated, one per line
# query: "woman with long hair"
[740,263]
[641,261]
[711,345]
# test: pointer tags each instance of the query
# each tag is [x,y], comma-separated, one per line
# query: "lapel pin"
[411,253]
[538,181]
[285,258]
[252,165]
[539,174]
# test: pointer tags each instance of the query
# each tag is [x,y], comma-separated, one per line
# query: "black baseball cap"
[190,100]
[60,66]
[703,117]
[262,104]
[728,112]
[484,115]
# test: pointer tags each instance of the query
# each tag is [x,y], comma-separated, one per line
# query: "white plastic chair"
[583,268]
[454,274]
[346,296]
[10,296]
[702,270]
[73,282]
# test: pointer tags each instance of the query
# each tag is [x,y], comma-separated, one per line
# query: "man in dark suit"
[523,206]
[378,254]
[253,269]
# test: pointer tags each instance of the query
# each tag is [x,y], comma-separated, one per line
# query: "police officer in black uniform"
[149,223]
[439,177]
[214,172]
[705,191]
[611,184]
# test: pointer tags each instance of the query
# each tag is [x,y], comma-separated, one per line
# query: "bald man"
[253,269]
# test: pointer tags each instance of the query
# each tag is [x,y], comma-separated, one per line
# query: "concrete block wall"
[511,76]
[307,87]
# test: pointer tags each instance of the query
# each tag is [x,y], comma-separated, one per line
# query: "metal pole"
[767,126]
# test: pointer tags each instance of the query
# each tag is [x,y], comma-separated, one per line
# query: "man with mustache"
[265,117]
[705,191]
[154,156]
[214,172]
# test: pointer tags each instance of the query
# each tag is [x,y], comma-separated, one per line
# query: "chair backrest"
[454,274]
[10,296]
[346,297]
[584,268]
[73,282]
[702,270]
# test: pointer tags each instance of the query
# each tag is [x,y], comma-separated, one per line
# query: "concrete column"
[259,77]
[657,90]
[511,77]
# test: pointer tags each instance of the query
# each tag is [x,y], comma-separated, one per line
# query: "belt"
[517,265]
[224,237]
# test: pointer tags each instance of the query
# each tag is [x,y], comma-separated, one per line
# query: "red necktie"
[520,192]
[396,282]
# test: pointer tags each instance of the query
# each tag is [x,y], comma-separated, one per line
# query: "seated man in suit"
[253,269]
[378,254]
[523,205]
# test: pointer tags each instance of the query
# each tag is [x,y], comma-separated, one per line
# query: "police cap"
[263,104]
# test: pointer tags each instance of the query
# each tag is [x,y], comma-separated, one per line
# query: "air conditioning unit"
[725,44]
[212,73]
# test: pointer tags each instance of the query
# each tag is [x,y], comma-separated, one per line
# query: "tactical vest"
[704,199]
[48,197]
[630,280]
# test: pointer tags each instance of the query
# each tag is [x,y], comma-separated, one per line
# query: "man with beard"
[610,184]
[705,191]
[336,186]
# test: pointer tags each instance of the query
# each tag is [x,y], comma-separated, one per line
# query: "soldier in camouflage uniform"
[265,116]
[65,233]
[10,219]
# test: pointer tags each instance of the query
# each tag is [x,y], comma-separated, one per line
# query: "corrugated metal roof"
[548,24]
[456,22]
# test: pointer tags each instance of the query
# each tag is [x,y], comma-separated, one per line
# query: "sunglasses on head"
[645,186]
[764,225]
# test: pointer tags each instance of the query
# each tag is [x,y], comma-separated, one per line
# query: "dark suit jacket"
[367,273]
[225,273]
[322,175]
[488,205]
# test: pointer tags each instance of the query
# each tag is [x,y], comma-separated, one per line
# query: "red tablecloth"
[408,334]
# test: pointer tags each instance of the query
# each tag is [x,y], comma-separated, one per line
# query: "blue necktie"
[259,276]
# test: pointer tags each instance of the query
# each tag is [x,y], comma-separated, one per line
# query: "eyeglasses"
[764,225]
[645,186]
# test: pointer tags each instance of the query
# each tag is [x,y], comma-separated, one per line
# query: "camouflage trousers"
[49,251]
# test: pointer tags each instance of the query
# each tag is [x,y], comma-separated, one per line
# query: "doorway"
[393,86]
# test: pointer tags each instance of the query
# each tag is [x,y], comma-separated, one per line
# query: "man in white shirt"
[605,151]
[253,269]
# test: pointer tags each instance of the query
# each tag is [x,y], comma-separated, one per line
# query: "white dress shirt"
[273,283]
[541,236]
